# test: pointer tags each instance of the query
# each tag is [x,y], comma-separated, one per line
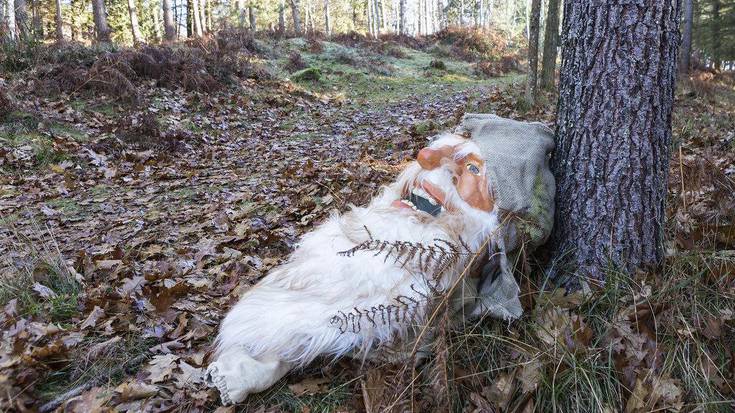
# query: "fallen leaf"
[43,291]
[160,367]
[135,390]
[309,386]
[92,318]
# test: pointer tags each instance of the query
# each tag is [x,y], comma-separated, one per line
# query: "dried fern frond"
[432,259]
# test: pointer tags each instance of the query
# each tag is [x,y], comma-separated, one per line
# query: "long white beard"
[321,302]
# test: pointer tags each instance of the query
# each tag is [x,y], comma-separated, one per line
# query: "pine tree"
[613,135]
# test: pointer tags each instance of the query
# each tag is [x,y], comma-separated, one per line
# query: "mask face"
[452,178]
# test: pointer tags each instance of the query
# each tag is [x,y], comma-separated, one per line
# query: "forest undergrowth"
[143,190]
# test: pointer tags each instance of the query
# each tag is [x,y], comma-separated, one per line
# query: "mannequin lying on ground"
[364,279]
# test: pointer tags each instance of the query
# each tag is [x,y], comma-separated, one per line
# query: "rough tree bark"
[686,41]
[327,22]
[533,34]
[100,21]
[169,28]
[59,23]
[613,135]
[137,36]
[551,42]
[296,16]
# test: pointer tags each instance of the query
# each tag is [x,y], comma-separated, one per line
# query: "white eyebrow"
[446,140]
[466,149]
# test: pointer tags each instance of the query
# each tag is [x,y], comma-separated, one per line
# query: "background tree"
[168,21]
[134,27]
[21,19]
[281,17]
[531,86]
[10,19]
[686,42]
[196,19]
[327,24]
[59,22]
[716,27]
[100,21]
[551,41]
[296,14]
[613,133]
[252,17]
[402,17]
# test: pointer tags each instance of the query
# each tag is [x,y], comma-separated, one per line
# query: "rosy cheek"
[473,190]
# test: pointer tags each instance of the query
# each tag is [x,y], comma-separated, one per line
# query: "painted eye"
[473,169]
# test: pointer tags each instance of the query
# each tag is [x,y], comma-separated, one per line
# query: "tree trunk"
[418,16]
[551,41]
[296,16]
[282,17]
[402,17]
[208,16]
[59,23]
[308,17]
[531,86]
[251,17]
[716,26]
[203,15]
[10,20]
[196,21]
[75,29]
[37,24]
[327,23]
[427,28]
[686,42]
[100,21]
[137,36]
[21,19]
[157,24]
[613,136]
[381,17]
[169,28]
[489,16]
[461,13]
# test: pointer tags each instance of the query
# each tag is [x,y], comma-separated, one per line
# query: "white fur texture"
[287,315]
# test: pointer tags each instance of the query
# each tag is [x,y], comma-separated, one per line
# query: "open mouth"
[419,199]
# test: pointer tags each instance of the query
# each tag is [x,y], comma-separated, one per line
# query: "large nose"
[430,159]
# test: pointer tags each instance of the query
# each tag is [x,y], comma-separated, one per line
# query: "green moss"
[310,74]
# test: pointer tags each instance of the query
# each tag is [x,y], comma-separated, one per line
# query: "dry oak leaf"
[189,375]
[501,391]
[92,401]
[530,375]
[92,318]
[136,390]
[161,367]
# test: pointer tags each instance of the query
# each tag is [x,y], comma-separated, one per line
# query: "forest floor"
[141,193]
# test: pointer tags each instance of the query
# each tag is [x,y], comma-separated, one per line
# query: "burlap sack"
[517,157]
